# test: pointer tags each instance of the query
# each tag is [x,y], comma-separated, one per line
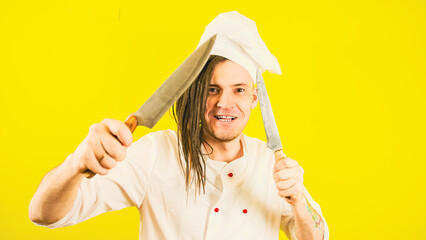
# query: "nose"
[225,100]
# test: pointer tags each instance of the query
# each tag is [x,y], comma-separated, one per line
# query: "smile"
[224,118]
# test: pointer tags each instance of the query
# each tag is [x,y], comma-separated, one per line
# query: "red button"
[245,211]
[230,174]
[216,209]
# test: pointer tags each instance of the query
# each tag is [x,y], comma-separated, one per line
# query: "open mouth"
[223,118]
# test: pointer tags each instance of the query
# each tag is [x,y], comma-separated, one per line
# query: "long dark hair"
[188,112]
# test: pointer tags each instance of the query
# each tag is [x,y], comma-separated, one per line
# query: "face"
[231,96]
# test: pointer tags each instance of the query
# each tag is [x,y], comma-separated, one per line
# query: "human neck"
[225,151]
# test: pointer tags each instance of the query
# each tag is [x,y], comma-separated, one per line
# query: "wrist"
[300,205]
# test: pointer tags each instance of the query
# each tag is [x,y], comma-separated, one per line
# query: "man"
[207,180]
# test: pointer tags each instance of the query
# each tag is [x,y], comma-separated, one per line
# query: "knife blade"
[271,129]
[164,97]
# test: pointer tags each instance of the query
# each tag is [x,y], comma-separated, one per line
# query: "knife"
[164,97]
[271,129]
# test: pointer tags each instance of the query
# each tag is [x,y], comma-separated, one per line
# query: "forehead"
[230,73]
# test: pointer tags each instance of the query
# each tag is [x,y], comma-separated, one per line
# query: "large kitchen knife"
[272,135]
[164,97]
[271,129]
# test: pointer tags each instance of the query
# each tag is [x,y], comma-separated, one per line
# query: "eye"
[240,90]
[213,90]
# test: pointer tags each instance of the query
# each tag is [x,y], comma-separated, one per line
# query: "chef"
[207,180]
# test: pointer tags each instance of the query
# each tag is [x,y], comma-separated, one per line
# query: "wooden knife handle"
[132,123]
[279,154]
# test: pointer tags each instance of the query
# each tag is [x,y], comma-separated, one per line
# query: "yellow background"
[350,104]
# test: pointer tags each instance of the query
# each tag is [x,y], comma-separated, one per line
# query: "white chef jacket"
[240,201]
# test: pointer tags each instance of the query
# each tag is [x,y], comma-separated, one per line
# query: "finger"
[284,174]
[107,161]
[286,184]
[286,193]
[286,162]
[291,191]
[93,142]
[120,130]
[113,147]
[93,164]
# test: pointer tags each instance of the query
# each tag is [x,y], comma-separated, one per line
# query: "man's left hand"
[288,176]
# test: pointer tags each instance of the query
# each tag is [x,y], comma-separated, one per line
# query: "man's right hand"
[99,152]
[102,148]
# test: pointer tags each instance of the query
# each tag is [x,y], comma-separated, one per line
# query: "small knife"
[164,97]
[271,129]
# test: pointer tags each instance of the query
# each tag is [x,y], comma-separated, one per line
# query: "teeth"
[225,118]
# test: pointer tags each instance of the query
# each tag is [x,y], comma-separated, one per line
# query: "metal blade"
[269,123]
[162,99]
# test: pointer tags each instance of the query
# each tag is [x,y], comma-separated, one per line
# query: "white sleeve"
[124,186]
[287,218]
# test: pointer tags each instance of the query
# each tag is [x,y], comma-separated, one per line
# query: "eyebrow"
[235,85]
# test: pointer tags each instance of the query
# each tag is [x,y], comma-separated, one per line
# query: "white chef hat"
[238,40]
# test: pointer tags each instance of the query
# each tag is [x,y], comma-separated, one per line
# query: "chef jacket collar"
[237,167]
